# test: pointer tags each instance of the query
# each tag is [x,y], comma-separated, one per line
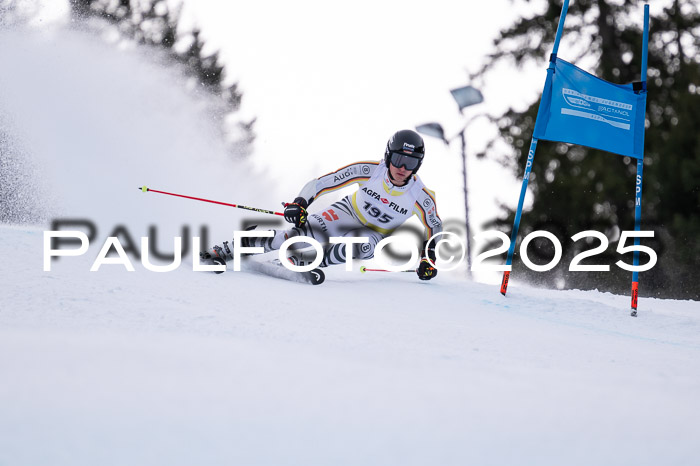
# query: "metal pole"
[466,202]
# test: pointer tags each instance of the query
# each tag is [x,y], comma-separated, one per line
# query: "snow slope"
[113,367]
[142,368]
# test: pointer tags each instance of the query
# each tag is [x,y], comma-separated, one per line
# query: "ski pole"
[238,206]
[364,269]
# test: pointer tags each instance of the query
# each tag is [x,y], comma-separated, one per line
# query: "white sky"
[329,84]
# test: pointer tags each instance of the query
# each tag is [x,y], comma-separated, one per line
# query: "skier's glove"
[296,212]
[425,270]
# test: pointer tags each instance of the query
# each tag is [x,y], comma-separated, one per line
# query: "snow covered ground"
[113,367]
[143,368]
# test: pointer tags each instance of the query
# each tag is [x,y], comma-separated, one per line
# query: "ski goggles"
[409,162]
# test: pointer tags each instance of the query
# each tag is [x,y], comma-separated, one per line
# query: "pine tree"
[577,188]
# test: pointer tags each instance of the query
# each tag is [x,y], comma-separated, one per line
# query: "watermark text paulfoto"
[443,241]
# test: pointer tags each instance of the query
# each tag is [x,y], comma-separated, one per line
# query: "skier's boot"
[248,242]
[217,256]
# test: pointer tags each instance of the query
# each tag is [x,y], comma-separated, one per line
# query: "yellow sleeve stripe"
[346,166]
[330,189]
[422,217]
[431,195]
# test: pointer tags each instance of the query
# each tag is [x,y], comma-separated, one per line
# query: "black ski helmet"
[407,143]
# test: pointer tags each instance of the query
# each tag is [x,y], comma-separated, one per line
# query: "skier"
[390,193]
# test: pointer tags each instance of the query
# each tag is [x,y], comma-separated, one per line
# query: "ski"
[274,269]
[270,268]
